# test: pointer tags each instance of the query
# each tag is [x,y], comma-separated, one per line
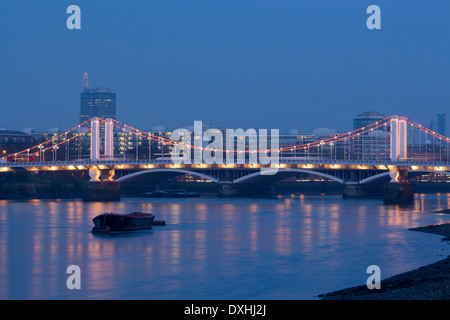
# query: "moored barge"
[111,222]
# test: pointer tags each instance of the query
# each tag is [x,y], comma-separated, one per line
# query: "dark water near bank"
[293,248]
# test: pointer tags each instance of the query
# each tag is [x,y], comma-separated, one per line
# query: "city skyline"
[101,102]
[233,65]
[359,120]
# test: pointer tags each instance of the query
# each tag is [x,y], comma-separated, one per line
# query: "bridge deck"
[283,163]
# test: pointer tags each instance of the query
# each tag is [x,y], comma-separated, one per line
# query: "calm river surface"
[291,248]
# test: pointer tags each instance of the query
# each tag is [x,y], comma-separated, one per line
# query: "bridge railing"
[108,162]
[83,163]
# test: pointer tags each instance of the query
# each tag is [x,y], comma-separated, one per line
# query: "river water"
[290,248]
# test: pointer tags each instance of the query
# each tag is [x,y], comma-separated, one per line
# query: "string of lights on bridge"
[55,143]
[322,142]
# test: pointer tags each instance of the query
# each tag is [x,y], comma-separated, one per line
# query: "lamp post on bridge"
[149,147]
[42,152]
[55,150]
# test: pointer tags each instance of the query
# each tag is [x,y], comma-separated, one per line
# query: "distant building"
[371,144]
[98,102]
[438,123]
[12,141]
[324,132]
[366,118]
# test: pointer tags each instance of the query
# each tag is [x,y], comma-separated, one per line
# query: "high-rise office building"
[438,123]
[370,144]
[366,118]
[96,102]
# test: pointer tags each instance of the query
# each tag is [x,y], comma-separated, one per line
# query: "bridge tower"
[98,188]
[399,189]
[398,139]
[109,139]
[95,139]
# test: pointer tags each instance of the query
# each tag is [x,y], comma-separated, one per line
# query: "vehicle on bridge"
[20,158]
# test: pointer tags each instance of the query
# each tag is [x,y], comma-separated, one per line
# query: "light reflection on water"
[293,248]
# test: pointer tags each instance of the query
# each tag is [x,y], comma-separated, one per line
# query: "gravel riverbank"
[431,282]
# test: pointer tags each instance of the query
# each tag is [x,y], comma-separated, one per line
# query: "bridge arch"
[375,177]
[285,173]
[179,171]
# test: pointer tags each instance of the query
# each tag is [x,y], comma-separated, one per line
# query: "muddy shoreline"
[431,282]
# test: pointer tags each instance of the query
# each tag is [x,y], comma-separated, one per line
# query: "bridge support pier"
[399,190]
[398,193]
[101,190]
[355,190]
[242,190]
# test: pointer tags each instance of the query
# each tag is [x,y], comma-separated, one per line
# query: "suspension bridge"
[387,152]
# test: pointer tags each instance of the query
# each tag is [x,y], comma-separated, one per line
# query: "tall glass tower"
[96,102]
[438,123]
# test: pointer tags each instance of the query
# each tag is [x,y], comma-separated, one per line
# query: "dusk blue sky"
[231,63]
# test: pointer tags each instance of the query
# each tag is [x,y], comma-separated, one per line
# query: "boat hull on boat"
[108,222]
